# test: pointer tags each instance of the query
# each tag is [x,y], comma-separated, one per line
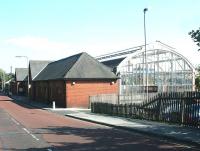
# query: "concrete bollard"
[54,105]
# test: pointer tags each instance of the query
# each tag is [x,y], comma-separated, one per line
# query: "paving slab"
[175,132]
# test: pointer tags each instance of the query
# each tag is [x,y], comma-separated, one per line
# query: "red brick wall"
[77,95]
[69,95]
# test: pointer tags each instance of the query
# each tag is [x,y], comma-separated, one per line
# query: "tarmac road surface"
[24,128]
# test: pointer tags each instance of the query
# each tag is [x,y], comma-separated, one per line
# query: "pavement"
[162,130]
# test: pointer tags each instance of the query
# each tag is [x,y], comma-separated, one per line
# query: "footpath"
[162,130]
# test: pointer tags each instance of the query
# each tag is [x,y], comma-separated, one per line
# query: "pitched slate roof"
[36,66]
[113,63]
[79,66]
[21,74]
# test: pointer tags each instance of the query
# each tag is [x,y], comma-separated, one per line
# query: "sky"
[55,29]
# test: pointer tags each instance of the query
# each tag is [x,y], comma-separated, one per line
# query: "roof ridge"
[103,65]
[65,58]
[84,54]
[81,54]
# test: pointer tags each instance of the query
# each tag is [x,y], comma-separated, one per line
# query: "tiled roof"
[36,66]
[21,74]
[113,63]
[79,66]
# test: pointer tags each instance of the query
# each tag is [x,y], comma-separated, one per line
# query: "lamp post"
[28,72]
[145,55]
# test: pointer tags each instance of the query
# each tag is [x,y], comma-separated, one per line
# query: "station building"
[159,68]
[72,80]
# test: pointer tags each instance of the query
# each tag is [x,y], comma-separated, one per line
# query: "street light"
[28,71]
[145,43]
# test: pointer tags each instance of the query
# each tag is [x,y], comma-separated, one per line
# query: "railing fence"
[172,107]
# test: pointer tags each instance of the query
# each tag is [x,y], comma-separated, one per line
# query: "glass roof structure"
[164,70]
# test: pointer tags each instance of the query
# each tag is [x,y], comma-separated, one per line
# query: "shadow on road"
[23,101]
[3,97]
[25,104]
[101,139]
[96,138]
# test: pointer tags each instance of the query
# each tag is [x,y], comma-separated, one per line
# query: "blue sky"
[54,29]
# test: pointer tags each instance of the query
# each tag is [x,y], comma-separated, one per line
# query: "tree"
[2,77]
[197,79]
[195,35]
[5,77]
[9,76]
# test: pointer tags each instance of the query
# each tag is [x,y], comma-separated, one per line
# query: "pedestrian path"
[179,133]
[174,132]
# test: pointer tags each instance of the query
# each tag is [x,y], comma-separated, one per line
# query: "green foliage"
[197,82]
[195,35]
[2,73]
[9,76]
[197,79]
[4,76]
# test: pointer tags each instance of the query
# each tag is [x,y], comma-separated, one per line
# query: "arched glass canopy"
[165,70]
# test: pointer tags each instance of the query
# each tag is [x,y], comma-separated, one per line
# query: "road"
[24,128]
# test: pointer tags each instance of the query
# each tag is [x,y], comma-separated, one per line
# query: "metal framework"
[167,70]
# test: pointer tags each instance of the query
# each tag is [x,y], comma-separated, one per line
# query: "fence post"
[54,105]
[182,108]
[159,108]
[126,110]
[118,97]
[91,106]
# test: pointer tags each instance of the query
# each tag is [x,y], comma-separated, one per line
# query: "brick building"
[19,86]
[70,81]
[35,67]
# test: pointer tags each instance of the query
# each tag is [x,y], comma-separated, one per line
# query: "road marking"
[26,130]
[34,137]
[15,121]
[31,134]
[49,149]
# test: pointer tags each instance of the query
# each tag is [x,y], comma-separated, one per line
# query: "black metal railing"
[172,107]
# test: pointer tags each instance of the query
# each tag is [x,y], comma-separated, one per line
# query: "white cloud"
[37,48]
[36,43]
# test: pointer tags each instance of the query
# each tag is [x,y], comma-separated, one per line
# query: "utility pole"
[145,55]
[11,69]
